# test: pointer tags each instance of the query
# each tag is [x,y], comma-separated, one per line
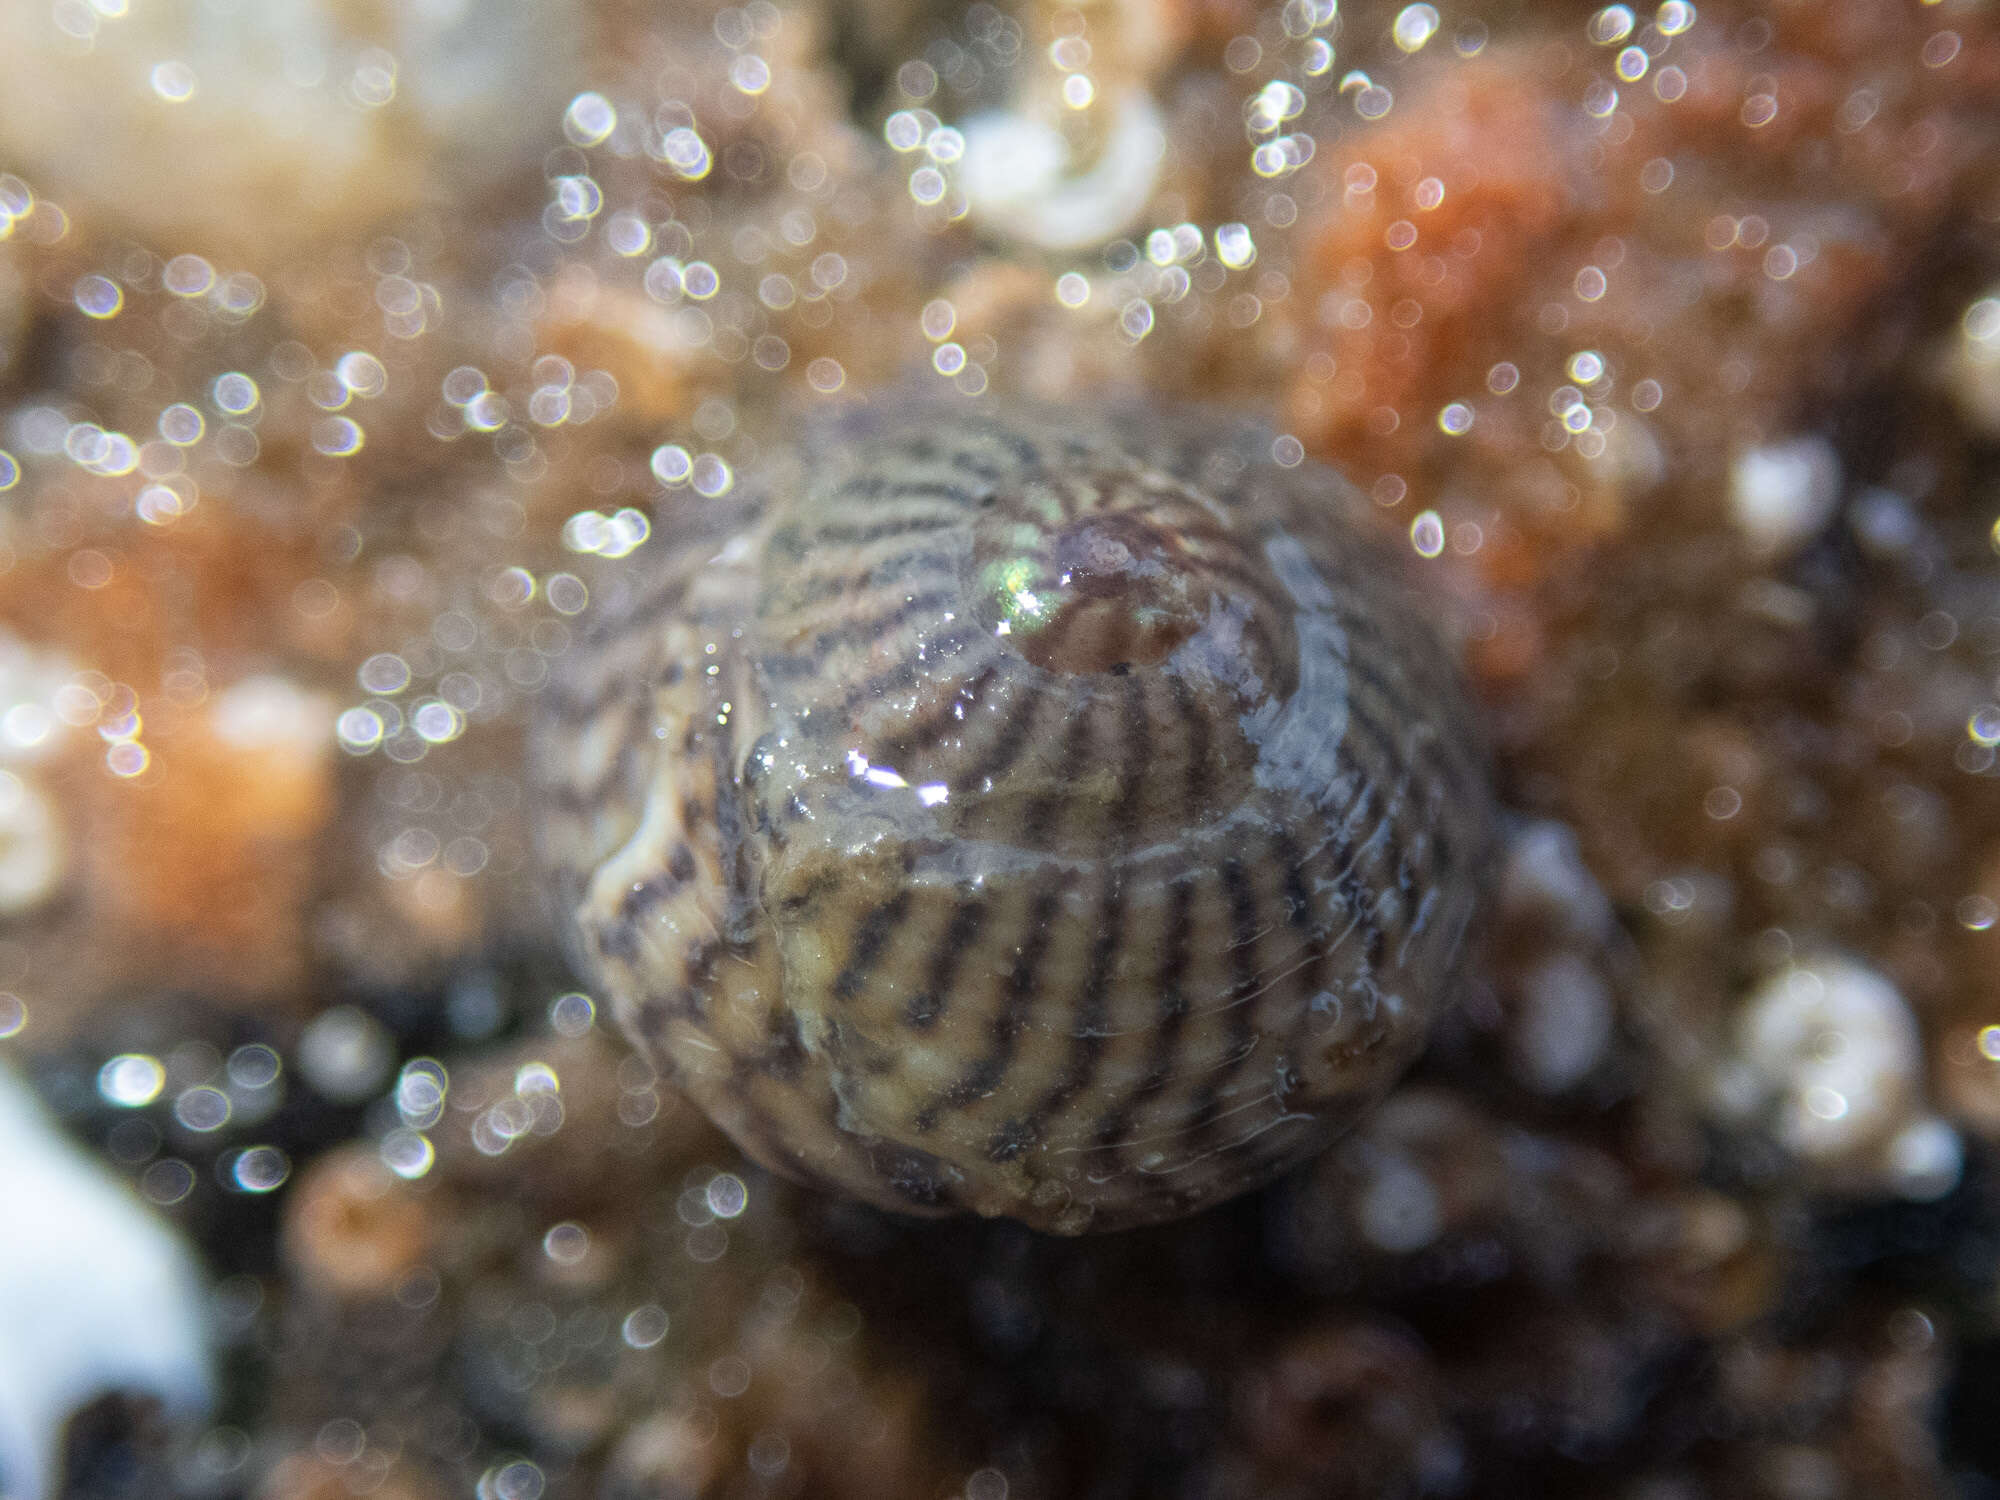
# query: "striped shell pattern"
[1058,814]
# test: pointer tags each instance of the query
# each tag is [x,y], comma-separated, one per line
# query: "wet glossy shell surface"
[1057,814]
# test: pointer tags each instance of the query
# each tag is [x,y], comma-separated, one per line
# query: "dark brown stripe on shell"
[893,679]
[928,733]
[1195,726]
[1023,983]
[1007,744]
[856,534]
[816,587]
[1087,1027]
[869,939]
[1042,811]
[967,917]
[1171,1024]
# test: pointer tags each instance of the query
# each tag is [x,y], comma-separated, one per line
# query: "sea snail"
[1053,813]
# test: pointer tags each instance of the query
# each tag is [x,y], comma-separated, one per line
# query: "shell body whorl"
[1063,815]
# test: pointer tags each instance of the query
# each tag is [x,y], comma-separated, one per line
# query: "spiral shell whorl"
[1049,814]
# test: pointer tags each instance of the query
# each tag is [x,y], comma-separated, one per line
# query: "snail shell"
[1056,814]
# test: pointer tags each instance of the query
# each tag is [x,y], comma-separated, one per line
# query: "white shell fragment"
[253,129]
[345,1054]
[96,1296]
[1544,876]
[1565,1026]
[1830,1057]
[1925,1159]
[30,678]
[1018,180]
[273,714]
[1781,495]
[33,851]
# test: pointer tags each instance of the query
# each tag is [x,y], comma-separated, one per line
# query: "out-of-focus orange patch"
[1511,650]
[1526,214]
[438,909]
[213,582]
[205,859]
[627,334]
[351,1229]
[201,855]
[1507,558]
[1211,25]
[1443,213]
